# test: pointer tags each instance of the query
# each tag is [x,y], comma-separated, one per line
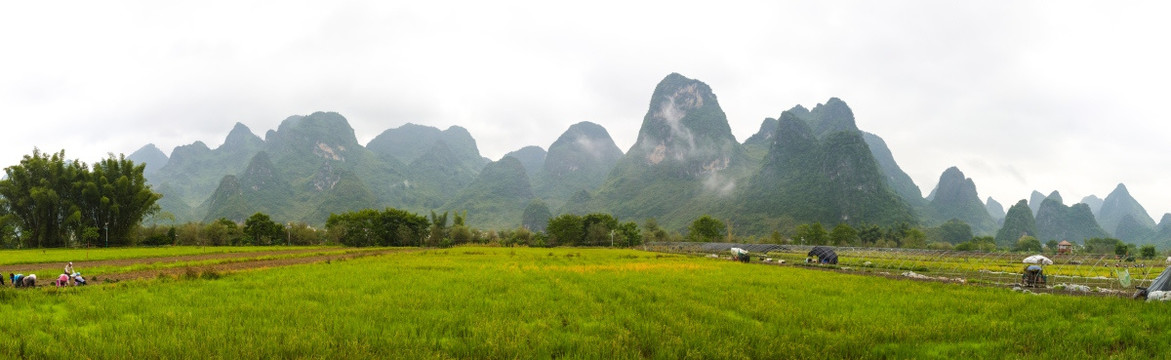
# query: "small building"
[1064,247]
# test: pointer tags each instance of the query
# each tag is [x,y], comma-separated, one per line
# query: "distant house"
[1064,247]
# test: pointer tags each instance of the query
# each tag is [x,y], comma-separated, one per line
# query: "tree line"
[50,201]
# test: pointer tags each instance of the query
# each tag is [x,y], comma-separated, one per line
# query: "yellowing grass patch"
[632,267]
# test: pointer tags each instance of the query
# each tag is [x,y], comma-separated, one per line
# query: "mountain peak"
[956,197]
[151,157]
[241,138]
[833,116]
[768,128]
[1119,205]
[685,126]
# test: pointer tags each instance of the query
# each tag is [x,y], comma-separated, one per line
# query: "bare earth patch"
[221,268]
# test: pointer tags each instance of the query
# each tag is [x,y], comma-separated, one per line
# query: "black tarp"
[824,254]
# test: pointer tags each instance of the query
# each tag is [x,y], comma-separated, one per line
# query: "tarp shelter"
[1163,282]
[824,254]
[1038,259]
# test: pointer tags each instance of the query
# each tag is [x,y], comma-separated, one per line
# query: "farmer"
[78,280]
[20,280]
[63,280]
[68,269]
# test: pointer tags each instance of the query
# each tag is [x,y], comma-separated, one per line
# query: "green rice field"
[497,303]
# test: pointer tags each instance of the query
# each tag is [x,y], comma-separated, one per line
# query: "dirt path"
[219,268]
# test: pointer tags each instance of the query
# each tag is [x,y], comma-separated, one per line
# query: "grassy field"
[576,303]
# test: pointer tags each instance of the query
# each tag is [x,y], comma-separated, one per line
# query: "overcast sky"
[1020,95]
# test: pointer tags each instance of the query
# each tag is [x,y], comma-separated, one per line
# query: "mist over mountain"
[410,141]
[1035,200]
[994,209]
[580,159]
[685,158]
[804,166]
[1094,202]
[1119,205]
[956,198]
[151,157]
[532,157]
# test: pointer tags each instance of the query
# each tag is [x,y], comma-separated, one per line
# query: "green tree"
[982,243]
[1027,244]
[599,229]
[843,235]
[302,234]
[438,230]
[261,230]
[706,229]
[870,234]
[1121,249]
[390,227]
[1147,251]
[41,194]
[955,231]
[654,233]
[117,197]
[812,234]
[54,200]
[628,234]
[914,238]
[566,229]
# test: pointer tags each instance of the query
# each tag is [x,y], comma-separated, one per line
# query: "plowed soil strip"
[243,265]
[82,265]
[287,257]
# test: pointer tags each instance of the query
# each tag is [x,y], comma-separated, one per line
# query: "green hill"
[259,189]
[409,142]
[684,160]
[830,180]
[580,159]
[1018,221]
[1056,221]
[532,157]
[497,198]
[956,198]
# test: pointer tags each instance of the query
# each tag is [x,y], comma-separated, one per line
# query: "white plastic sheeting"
[1038,259]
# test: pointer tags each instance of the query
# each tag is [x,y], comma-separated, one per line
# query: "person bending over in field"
[63,280]
[68,269]
[20,280]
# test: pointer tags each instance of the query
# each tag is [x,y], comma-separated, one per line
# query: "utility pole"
[107,234]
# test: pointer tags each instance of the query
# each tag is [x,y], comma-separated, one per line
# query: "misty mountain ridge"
[806,165]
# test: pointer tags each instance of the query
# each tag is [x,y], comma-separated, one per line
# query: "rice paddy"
[486,302]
